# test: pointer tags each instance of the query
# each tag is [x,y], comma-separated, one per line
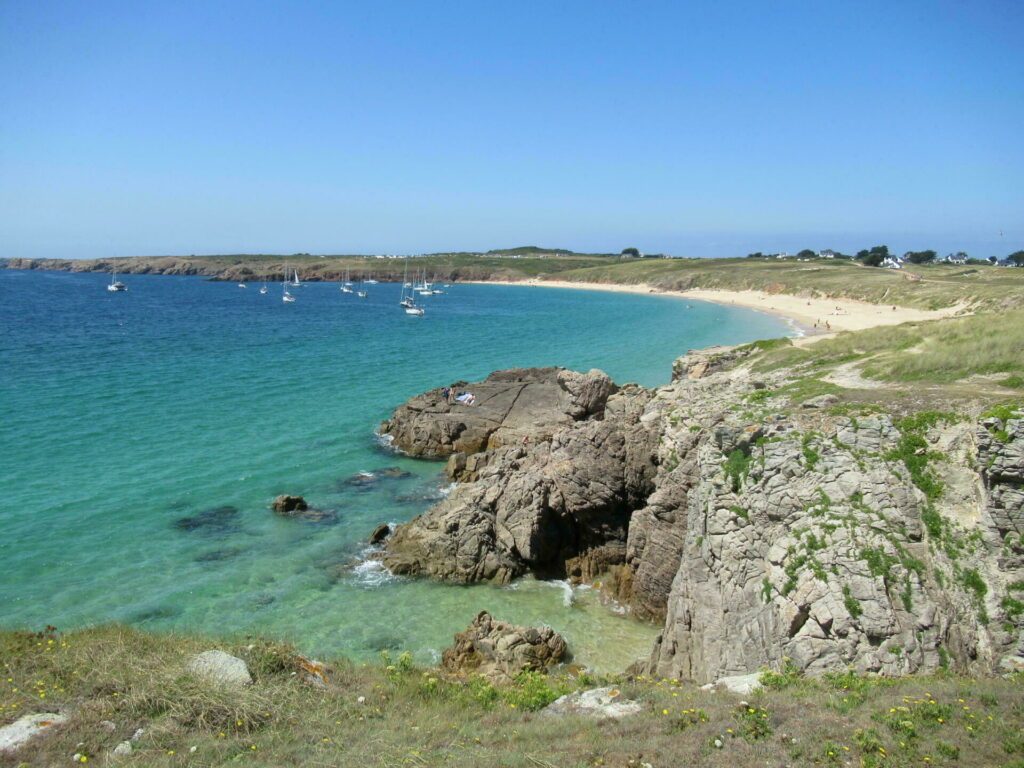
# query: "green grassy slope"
[414,717]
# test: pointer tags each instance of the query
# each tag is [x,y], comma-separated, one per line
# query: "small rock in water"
[360,480]
[366,480]
[380,533]
[214,521]
[216,555]
[286,504]
[23,729]
[220,667]
[394,473]
[296,507]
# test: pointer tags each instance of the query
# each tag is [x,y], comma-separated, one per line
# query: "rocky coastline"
[763,525]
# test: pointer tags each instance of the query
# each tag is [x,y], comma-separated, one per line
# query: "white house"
[828,253]
[892,262]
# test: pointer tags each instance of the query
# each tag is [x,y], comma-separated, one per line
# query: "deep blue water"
[144,434]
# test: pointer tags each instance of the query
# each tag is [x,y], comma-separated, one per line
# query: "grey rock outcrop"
[558,507]
[760,533]
[220,668]
[500,651]
[1001,457]
[509,406]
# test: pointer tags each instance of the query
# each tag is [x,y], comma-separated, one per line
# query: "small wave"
[444,490]
[369,571]
[568,593]
[386,443]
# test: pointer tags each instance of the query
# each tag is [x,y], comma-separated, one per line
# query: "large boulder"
[500,651]
[509,406]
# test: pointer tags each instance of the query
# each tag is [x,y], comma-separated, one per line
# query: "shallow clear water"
[144,434]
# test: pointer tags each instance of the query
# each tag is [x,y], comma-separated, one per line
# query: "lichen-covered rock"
[600,703]
[19,733]
[500,651]
[221,668]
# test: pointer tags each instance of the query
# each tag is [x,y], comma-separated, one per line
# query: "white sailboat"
[346,287]
[371,281]
[263,288]
[116,285]
[406,301]
[423,287]
[285,296]
[242,285]
[295,279]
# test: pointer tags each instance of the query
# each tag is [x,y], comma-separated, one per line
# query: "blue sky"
[699,129]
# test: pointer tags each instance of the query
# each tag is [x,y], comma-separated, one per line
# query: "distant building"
[828,253]
[892,262]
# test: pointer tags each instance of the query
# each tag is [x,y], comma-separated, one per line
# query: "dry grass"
[412,717]
[978,357]
[940,285]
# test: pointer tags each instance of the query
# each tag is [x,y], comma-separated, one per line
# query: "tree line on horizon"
[877,255]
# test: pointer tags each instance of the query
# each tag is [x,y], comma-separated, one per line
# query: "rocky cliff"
[762,522]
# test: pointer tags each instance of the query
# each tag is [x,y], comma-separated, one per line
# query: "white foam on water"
[370,572]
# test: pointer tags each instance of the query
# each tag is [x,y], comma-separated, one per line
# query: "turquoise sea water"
[144,434]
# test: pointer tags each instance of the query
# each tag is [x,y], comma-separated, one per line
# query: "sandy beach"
[815,318]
